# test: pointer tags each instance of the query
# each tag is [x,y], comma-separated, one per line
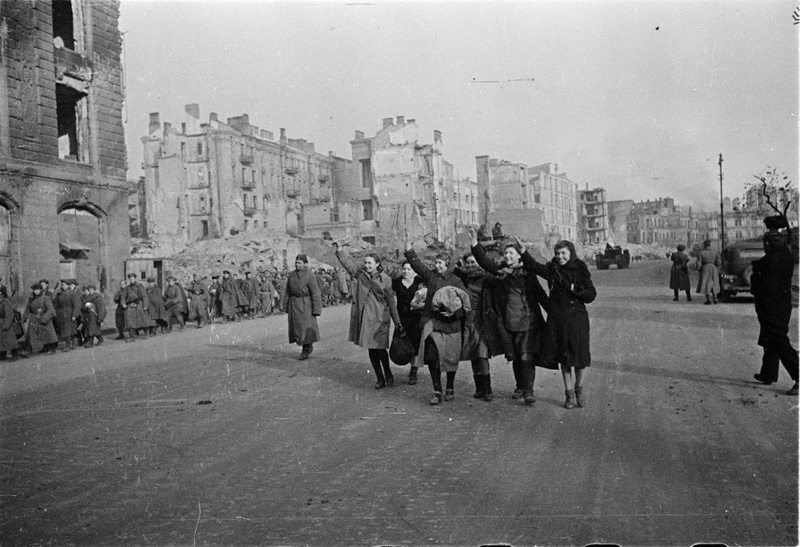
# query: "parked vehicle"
[613,255]
[737,267]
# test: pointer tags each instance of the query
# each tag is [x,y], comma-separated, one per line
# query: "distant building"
[661,222]
[214,179]
[399,183]
[506,195]
[594,216]
[465,202]
[557,196]
[63,192]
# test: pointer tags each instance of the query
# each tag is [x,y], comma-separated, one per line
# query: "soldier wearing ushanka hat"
[303,301]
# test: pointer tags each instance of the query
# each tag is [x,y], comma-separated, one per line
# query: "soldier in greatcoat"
[266,294]
[156,310]
[66,315]
[175,302]
[134,300]
[93,311]
[215,302]
[119,313]
[229,297]
[39,315]
[280,287]
[8,338]
[250,291]
[198,303]
[303,302]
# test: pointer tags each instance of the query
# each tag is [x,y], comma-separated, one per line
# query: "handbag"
[402,350]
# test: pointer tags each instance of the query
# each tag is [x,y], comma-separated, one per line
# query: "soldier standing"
[156,310]
[198,305]
[65,315]
[280,287]
[134,300]
[267,294]
[119,313]
[175,302]
[228,298]
[215,303]
[8,338]
[303,302]
[250,291]
[39,314]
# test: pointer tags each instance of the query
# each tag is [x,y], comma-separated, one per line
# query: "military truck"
[613,255]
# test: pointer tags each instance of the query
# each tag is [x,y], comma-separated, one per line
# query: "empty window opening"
[71,111]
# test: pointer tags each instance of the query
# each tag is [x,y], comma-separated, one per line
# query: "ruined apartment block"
[557,196]
[213,179]
[63,195]
[594,215]
[400,183]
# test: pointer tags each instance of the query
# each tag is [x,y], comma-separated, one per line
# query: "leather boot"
[480,389]
[380,382]
[529,376]
[570,400]
[579,398]
[487,387]
[518,379]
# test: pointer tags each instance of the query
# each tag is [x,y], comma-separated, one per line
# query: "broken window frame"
[72,114]
[68,35]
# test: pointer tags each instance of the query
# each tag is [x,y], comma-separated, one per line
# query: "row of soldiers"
[73,315]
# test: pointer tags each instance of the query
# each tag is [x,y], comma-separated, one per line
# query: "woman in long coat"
[571,288]
[373,305]
[8,339]
[708,261]
[303,302]
[39,314]
[679,274]
[481,337]
[405,287]
[441,349]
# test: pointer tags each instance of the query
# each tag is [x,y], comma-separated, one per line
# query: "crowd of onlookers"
[72,315]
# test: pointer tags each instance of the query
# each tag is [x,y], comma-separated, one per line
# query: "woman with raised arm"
[571,288]
[373,305]
[519,299]
[442,324]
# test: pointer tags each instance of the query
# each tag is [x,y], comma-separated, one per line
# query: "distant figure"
[303,301]
[497,231]
[708,261]
[679,275]
[482,233]
[771,285]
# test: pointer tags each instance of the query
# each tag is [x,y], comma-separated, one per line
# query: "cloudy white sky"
[639,97]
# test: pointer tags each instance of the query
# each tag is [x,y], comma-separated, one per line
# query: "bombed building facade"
[63,193]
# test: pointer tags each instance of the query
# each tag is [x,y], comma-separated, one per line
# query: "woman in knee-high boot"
[373,306]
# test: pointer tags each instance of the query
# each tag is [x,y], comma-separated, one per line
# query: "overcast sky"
[639,97]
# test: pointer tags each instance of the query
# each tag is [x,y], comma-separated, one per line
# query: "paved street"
[220,436]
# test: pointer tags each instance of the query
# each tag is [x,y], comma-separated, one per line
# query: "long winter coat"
[156,309]
[571,288]
[66,314]
[250,291]
[40,314]
[303,302]
[771,286]
[8,340]
[408,318]
[119,312]
[229,297]
[679,274]
[198,305]
[709,274]
[374,303]
[134,297]
[483,338]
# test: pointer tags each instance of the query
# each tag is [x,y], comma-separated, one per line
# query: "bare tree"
[777,185]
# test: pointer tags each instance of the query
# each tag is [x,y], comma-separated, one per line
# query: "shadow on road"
[674,374]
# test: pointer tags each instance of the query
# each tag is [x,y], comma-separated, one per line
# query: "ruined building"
[63,194]
[400,183]
[594,216]
[213,179]
[557,196]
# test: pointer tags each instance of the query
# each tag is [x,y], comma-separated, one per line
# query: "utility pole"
[721,210]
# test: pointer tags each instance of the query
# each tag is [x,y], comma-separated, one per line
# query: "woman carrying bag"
[405,287]
[373,306]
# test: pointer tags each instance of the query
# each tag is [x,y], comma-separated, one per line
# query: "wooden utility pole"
[721,210]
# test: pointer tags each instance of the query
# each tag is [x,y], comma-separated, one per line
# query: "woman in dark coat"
[571,288]
[442,348]
[8,339]
[66,315]
[519,299]
[679,274]
[303,302]
[39,314]
[373,305]
[405,287]
[481,341]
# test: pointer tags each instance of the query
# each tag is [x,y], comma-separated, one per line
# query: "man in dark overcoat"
[198,303]
[771,286]
[175,302]
[134,300]
[156,310]
[250,290]
[93,311]
[303,301]
[66,315]
[119,313]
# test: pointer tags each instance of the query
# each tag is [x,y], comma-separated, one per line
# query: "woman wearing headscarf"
[8,339]
[39,314]
[708,261]
[303,302]
[519,299]
[571,288]
[679,274]
[405,287]
[373,305]
[441,334]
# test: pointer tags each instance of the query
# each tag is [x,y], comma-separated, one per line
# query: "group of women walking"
[471,311]
[708,263]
